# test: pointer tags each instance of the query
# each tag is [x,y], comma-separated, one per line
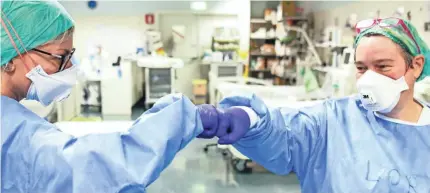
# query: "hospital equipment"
[340,80]
[92,69]
[92,92]
[312,58]
[266,91]
[337,54]
[226,69]
[347,56]
[155,72]
[332,36]
[159,83]
[159,76]
[222,69]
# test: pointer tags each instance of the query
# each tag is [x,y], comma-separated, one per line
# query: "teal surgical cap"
[400,36]
[35,22]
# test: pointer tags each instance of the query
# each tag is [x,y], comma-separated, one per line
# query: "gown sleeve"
[284,139]
[114,162]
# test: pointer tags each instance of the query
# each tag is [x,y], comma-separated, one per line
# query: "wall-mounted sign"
[149,19]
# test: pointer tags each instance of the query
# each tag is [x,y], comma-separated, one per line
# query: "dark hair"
[408,57]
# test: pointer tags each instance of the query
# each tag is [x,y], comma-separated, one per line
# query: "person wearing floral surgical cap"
[375,141]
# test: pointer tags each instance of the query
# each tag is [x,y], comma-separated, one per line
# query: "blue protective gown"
[36,157]
[338,146]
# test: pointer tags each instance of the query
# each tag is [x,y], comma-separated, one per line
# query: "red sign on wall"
[149,19]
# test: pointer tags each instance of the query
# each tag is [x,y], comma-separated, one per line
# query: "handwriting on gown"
[395,180]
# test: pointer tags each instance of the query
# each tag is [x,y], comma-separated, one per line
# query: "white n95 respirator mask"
[380,93]
[49,88]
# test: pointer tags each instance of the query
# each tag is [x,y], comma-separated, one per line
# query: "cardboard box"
[289,8]
[200,87]
[198,100]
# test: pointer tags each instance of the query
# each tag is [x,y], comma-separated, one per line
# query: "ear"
[418,65]
[9,67]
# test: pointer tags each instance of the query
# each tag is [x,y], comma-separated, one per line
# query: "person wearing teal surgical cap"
[375,141]
[36,49]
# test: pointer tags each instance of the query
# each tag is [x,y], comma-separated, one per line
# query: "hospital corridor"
[237,96]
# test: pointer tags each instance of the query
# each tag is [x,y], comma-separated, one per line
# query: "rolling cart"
[159,76]
[158,83]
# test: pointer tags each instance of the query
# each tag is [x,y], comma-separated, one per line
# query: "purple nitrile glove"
[229,125]
[209,117]
[233,124]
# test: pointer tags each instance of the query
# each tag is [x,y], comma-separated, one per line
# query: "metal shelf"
[264,55]
[227,41]
[226,50]
[272,56]
[273,39]
[264,70]
[327,45]
[295,18]
[257,20]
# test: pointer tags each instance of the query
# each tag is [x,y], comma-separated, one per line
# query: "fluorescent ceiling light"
[198,5]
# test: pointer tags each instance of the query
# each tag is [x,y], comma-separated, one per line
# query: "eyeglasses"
[65,58]
[385,23]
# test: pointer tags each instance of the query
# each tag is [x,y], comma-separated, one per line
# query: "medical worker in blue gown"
[36,157]
[377,141]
